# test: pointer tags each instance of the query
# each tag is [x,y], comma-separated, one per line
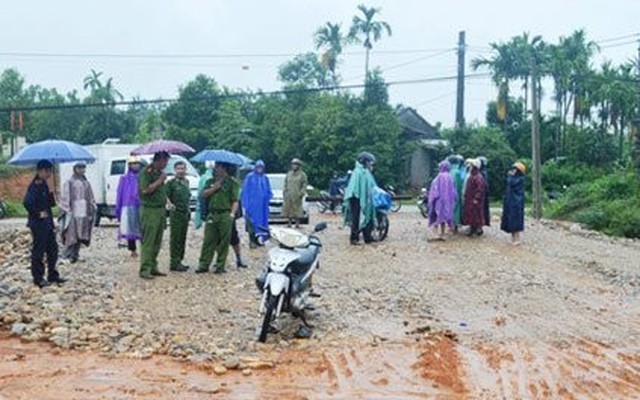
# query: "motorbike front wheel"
[323,206]
[272,303]
[382,229]
[396,206]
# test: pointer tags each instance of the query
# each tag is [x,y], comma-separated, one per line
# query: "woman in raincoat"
[442,200]
[513,203]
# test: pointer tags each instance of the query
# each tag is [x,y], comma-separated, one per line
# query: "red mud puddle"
[389,371]
[436,366]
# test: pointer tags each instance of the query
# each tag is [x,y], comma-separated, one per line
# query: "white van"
[111,164]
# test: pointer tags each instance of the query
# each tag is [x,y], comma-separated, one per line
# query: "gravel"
[562,281]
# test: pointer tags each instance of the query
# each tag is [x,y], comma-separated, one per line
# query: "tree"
[365,30]
[330,38]
[99,92]
[305,70]
[191,119]
[375,89]
[12,94]
[501,65]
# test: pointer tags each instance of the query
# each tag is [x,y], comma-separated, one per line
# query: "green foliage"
[9,170]
[375,89]
[591,147]
[490,143]
[305,71]
[556,175]
[610,204]
[327,132]
[15,209]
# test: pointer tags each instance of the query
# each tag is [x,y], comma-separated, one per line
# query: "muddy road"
[558,317]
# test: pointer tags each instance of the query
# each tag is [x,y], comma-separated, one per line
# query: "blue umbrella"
[222,156]
[56,151]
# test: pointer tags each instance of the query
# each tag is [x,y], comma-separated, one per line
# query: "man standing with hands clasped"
[153,200]
[221,193]
[178,194]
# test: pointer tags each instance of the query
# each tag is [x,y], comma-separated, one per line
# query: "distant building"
[12,144]
[422,164]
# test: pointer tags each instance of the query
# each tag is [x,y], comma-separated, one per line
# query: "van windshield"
[169,170]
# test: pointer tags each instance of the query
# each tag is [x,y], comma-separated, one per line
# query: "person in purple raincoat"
[128,206]
[442,200]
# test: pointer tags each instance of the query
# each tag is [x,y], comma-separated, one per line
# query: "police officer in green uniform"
[222,193]
[178,194]
[153,202]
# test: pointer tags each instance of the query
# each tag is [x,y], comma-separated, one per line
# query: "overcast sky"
[283,27]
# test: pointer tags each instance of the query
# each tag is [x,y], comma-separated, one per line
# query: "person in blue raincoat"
[255,196]
[513,203]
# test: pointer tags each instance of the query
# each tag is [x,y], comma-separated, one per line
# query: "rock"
[18,329]
[232,363]
[247,372]
[259,365]
[11,317]
[219,370]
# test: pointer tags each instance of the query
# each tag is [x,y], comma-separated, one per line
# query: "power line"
[196,55]
[231,95]
[435,99]
[406,63]
[615,39]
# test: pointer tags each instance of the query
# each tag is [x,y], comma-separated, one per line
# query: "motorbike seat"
[305,259]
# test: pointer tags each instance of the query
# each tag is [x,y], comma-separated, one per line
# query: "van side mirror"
[320,227]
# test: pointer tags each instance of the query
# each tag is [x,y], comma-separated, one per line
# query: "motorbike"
[329,202]
[396,205]
[383,203]
[423,202]
[3,209]
[285,281]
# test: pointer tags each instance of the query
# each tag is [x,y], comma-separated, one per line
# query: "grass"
[15,209]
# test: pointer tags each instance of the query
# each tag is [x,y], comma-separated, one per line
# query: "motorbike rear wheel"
[272,303]
[424,210]
[396,206]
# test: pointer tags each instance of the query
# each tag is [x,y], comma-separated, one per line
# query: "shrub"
[610,204]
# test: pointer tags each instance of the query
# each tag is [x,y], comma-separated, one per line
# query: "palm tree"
[331,38]
[101,93]
[501,65]
[367,31]
[92,81]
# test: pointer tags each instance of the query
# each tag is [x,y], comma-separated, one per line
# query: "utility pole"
[535,145]
[636,149]
[460,96]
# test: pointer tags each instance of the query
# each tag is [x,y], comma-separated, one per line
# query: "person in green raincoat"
[458,172]
[295,189]
[360,212]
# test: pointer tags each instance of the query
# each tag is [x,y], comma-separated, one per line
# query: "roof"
[414,124]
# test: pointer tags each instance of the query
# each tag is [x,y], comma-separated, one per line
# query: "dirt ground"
[558,317]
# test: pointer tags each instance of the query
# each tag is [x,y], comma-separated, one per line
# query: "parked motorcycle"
[396,205]
[383,203]
[423,202]
[329,203]
[3,209]
[285,282]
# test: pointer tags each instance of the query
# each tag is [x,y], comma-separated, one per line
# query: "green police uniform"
[179,194]
[152,220]
[217,233]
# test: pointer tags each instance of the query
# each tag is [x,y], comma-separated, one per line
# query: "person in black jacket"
[38,202]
